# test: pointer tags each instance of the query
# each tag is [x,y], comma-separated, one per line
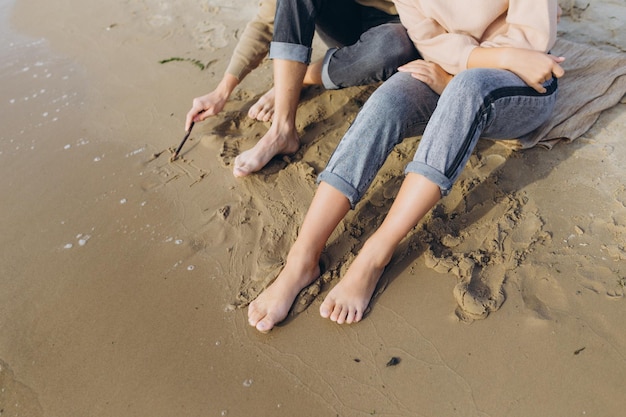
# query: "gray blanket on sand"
[594,80]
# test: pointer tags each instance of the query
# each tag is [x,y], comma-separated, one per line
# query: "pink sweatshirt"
[446,31]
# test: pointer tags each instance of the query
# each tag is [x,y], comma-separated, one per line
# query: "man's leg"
[282,137]
[338,23]
[294,27]
[263,109]
[373,57]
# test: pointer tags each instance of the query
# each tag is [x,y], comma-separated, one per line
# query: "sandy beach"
[124,277]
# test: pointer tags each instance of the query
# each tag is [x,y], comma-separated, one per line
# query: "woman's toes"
[325,309]
[264,325]
[336,315]
[350,317]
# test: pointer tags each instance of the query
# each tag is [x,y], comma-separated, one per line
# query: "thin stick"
[175,156]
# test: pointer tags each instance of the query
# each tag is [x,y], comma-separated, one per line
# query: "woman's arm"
[533,67]
[447,32]
[521,49]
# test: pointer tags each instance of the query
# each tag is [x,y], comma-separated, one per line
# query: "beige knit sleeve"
[254,42]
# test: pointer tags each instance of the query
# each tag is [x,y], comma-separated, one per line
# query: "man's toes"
[267,116]
[237,172]
[261,116]
[239,167]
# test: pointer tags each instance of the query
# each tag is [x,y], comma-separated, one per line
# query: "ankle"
[305,257]
[378,250]
[285,127]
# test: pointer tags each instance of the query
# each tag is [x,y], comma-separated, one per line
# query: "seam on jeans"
[490,99]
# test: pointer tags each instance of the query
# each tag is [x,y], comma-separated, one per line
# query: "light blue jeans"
[489,103]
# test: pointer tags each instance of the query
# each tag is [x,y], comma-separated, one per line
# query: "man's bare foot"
[273,304]
[263,109]
[349,299]
[271,144]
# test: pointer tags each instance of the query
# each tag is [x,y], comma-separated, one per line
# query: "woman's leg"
[487,103]
[352,168]
[477,102]
[327,209]
[348,300]
[399,108]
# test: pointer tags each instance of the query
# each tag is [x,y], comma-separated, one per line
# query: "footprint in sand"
[481,243]
[481,294]
[230,149]
[541,292]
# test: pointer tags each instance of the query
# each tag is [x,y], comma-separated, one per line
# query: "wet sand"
[124,277]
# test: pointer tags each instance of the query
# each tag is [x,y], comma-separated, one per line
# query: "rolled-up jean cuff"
[431,174]
[290,52]
[340,185]
[326,81]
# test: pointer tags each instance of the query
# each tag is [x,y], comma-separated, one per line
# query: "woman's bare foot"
[273,143]
[349,299]
[273,304]
[263,109]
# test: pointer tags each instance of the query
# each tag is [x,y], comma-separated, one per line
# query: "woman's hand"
[429,73]
[535,68]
